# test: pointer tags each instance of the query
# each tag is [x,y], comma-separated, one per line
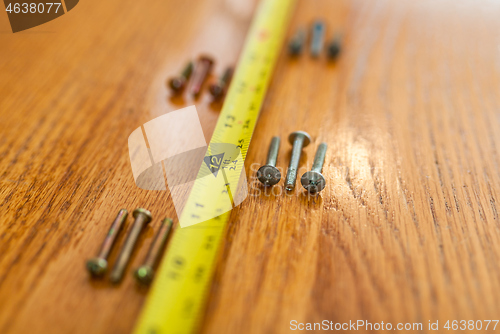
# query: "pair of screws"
[199,74]
[318,30]
[98,266]
[313,181]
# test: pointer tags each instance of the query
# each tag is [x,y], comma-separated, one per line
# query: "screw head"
[268,175]
[206,58]
[293,135]
[295,47]
[97,266]
[177,84]
[144,212]
[333,50]
[216,90]
[314,182]
[144,274]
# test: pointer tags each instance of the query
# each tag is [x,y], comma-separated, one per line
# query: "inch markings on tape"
[176,299]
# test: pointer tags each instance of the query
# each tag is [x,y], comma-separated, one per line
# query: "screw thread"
[186,73]
[226,77]
[318,34]
[200,73]
[112,235]
[141,219]
[319,158]
[291,174]
[272,155]
[158,244]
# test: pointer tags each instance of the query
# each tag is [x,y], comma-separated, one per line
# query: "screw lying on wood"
[178,84]
[268,174]
[298,139]
[334,47]
[297,42]
[219,89]
[144,274]
[98,265]
[142,217]
[313,180]
[318,35]
[201,71]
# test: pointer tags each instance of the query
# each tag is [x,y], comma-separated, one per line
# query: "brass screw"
[177,84]
[201,71]
[142,217]
[219,89]
[144,274]
[98,265]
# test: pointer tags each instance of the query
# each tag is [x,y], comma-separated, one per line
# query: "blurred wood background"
[407,229]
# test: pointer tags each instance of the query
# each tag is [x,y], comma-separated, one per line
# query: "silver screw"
[144,274]
[268,174]
[298,139]
[318,36]
[142,217]
[98,265]
[297,42]
[334,47]
[313,180]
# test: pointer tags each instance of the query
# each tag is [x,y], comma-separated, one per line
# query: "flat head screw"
[219,89]
[201,71]
[142,217]
[145,273]
[177,84]
[318,36]
[313,180]
[98,265]
[297,42]
[334,47]
[268,174]
[298,139]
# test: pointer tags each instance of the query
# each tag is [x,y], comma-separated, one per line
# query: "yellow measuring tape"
[176,299]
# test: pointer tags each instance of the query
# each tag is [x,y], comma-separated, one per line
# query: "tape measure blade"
[182,280]
[178,294]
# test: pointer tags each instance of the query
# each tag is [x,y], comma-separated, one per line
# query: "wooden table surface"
[407,229]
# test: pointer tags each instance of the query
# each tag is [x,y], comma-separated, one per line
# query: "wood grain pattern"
[407,229]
